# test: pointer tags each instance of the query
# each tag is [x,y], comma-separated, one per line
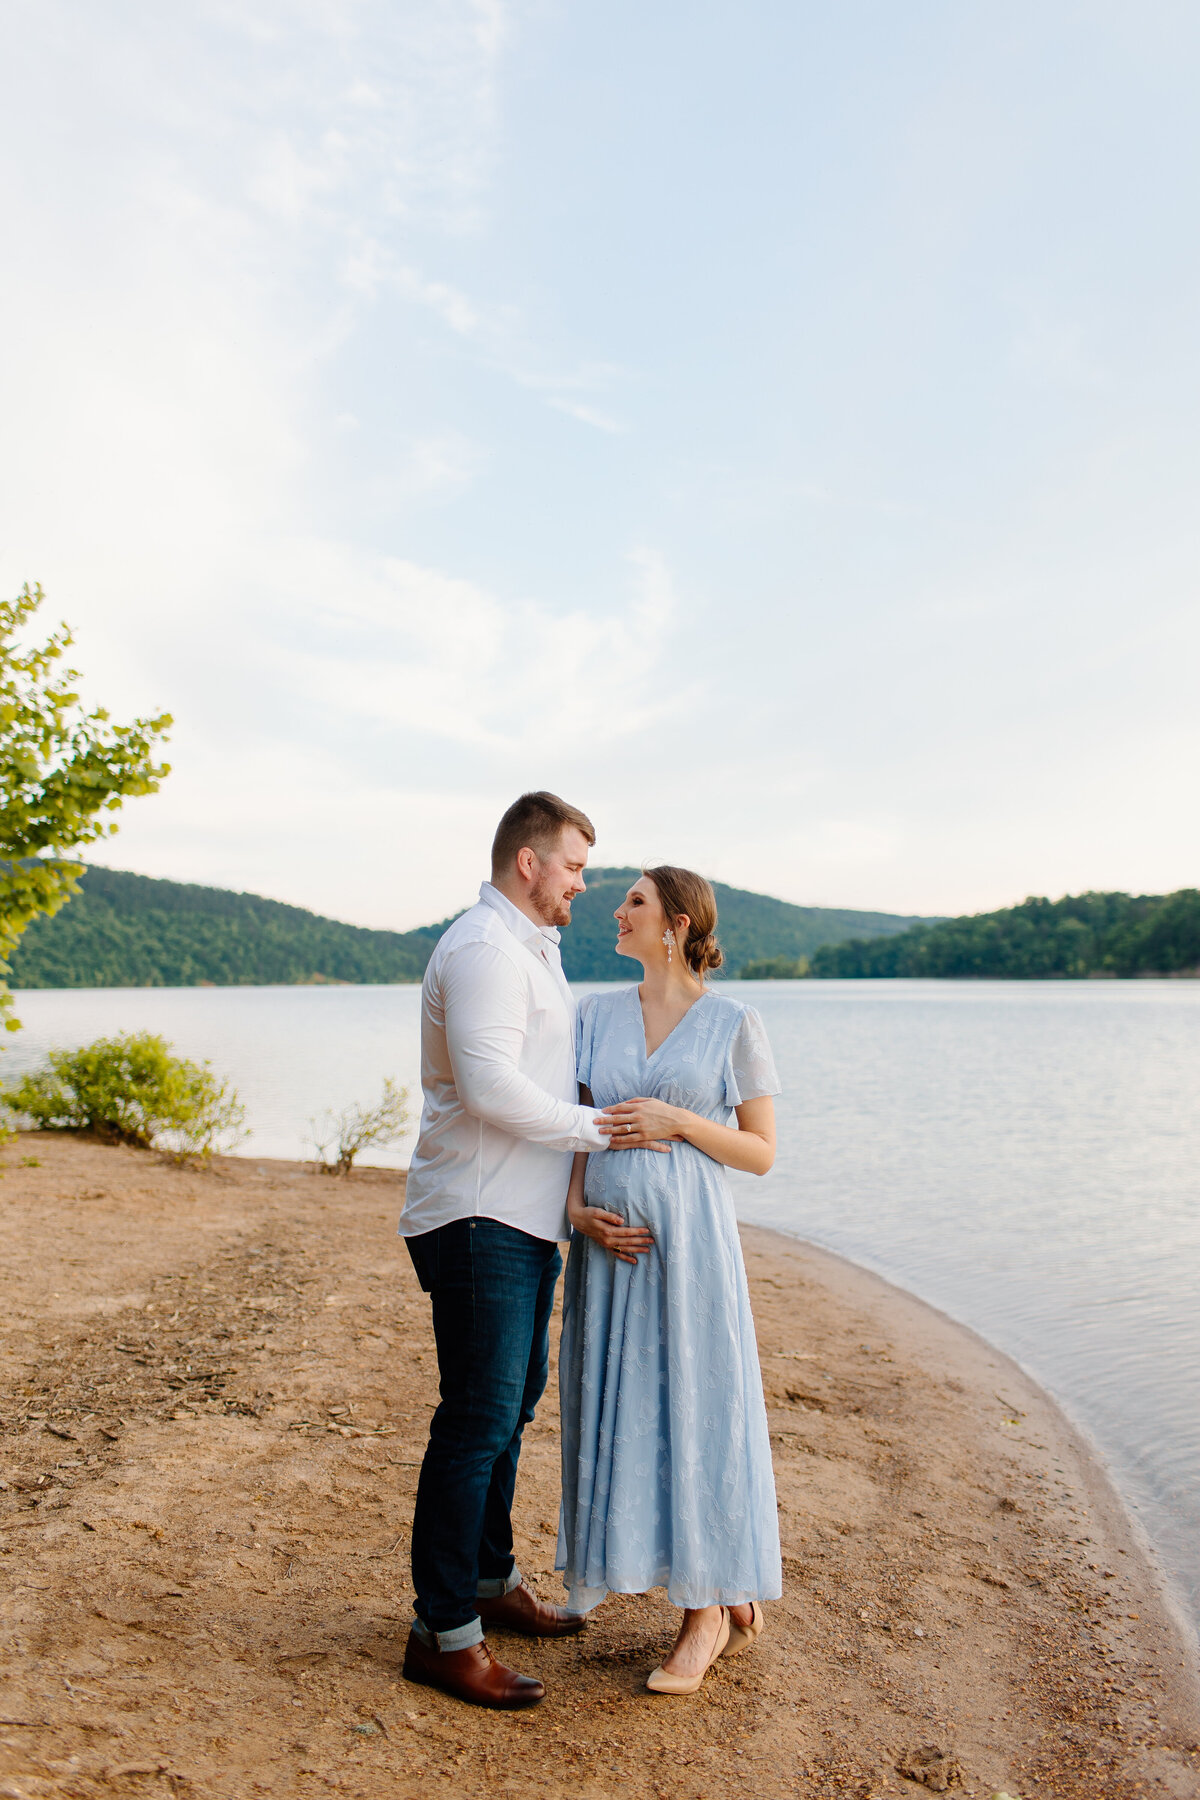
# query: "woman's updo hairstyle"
[681,891]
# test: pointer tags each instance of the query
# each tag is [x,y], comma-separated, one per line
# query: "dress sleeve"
[749,1066]
[585,1036]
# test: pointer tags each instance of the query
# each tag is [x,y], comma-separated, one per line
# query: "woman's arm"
[609,1230]
[750,1147]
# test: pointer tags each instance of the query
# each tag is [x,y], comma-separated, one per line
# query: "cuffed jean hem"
[461,1638]
[495,1589]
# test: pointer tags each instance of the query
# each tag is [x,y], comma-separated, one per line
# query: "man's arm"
[486,1020]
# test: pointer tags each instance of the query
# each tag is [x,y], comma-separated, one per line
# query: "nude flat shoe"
[659,1682]
[742,1636]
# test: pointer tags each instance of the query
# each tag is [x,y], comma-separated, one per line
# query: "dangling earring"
[668,938]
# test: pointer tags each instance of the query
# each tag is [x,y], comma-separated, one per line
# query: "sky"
[772,427]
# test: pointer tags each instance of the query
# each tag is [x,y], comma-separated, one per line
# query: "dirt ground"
[214,1391]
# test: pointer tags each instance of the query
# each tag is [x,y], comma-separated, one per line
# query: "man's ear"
[526,863]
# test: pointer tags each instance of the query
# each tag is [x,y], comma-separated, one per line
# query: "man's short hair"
[535,822]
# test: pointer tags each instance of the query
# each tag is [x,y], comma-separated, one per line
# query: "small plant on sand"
[337,1138]
[131,1090]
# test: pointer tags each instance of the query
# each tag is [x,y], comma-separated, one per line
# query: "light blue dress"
[667,1478]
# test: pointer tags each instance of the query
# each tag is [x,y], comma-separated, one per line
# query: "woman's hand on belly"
[642,1124]
[609,1230]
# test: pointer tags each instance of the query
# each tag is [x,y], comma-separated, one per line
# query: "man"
[484,1213]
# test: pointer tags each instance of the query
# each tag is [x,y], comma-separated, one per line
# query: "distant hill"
[1081,935]
[125,930]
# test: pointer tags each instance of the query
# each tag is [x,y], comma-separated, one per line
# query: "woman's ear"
[682,926]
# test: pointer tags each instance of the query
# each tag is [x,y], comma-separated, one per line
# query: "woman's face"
[641,923]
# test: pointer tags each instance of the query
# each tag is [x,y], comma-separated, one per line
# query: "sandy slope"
[215,1390]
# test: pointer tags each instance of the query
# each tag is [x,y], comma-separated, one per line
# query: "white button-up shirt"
[500,1120]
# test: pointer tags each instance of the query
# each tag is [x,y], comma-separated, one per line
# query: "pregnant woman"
[667,1478]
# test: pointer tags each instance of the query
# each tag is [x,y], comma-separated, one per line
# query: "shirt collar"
[518,922]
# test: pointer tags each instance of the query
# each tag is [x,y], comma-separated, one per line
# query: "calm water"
[1025,1155]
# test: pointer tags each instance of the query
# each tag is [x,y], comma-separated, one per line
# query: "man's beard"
[549,903]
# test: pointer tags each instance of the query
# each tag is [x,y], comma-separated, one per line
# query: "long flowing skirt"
[667,1478]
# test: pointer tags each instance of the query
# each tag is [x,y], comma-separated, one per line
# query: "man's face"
[560,877]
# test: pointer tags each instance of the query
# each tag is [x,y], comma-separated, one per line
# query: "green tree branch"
[61,770]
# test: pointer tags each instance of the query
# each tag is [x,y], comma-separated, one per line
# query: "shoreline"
[593,981]
[1087,1449]
[219,1387]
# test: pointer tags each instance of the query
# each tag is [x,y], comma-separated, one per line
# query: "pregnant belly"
[638,1184]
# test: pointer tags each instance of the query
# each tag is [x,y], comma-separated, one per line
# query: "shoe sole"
[524,1631]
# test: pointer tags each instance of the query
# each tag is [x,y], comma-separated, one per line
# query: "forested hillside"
[131,931]
[125,930]
[1084,934]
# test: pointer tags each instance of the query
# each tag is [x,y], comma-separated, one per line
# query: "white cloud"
[496,332]
[491,25]
[587,415]
[453,308]
[416,650]
[441,464]
[287,183]
[1050,351]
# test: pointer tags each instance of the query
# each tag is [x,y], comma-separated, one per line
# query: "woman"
[667,1475]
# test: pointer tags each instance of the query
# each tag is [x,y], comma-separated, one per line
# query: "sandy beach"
[215,1393]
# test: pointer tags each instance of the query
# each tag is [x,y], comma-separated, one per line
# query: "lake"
[1025,1155]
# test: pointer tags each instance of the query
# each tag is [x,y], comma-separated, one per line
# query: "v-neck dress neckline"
[646,1050]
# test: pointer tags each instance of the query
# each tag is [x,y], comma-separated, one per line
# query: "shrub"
[131,1090]
[356,1127]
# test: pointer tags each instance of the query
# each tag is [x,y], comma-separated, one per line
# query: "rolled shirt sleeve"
[486,1014]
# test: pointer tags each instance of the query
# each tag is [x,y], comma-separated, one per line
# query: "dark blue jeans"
[493,1291]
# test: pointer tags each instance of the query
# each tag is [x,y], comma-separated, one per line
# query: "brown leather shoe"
[472,1675]
[521,1610]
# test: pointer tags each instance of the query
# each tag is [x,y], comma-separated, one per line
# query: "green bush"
[131,1090]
